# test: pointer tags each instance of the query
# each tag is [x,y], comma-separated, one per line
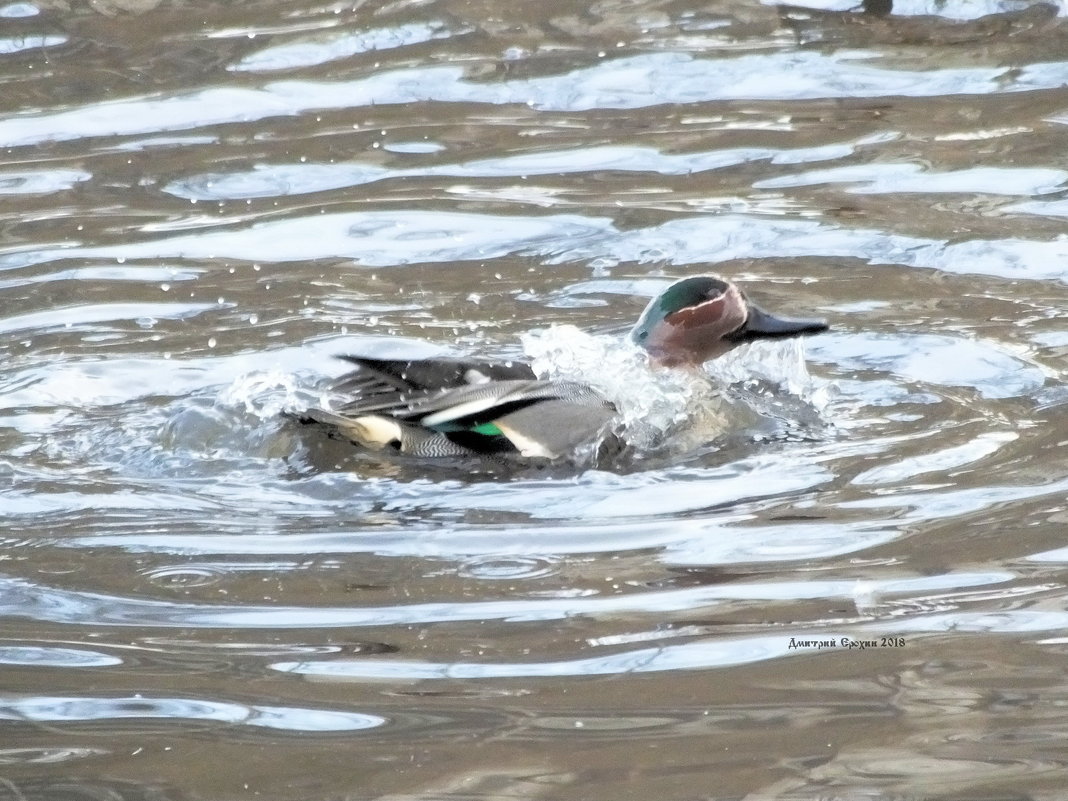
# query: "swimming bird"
[450,407]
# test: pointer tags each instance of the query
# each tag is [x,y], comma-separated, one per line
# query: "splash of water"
[780,363]
[264,394]
[693,406]
[651,403]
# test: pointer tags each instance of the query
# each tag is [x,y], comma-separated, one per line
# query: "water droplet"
[211,342]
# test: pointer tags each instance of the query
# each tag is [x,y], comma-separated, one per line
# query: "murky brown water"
[201,203]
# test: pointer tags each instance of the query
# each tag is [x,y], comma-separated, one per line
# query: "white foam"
[692,405]
[781,363]
[650,402]
[265,394]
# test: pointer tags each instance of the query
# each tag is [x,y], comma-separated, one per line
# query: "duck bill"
[764,325]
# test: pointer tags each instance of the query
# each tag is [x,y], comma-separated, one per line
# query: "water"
[855,590]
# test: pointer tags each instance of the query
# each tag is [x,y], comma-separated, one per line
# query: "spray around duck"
[450,407]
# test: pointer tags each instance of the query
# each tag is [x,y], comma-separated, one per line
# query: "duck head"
[699,318]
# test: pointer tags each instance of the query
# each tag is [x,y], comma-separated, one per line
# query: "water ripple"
[689,656]
[982,446]
[40,182]
[874,179]
[340,46]
[139,707]
[47,756]
[279,180]
[16,44]
[18,10]
[384,238]
[369,238]
[54,657]
[22,599]
[85,315]
[500,568]
[948,9]
[206,590]
[622,83]
[934,359]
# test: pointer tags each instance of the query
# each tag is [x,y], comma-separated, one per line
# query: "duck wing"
[478,404]
[555,426]
[371,376]
[533,417]
[538,418]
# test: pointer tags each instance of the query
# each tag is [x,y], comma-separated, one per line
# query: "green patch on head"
[689,292]
[680,295]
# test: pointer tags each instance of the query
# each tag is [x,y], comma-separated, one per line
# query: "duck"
[462,407]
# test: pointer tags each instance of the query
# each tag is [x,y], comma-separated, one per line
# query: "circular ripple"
[181,577]
[506,568]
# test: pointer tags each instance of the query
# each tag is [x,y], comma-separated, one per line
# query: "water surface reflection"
[854,585]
